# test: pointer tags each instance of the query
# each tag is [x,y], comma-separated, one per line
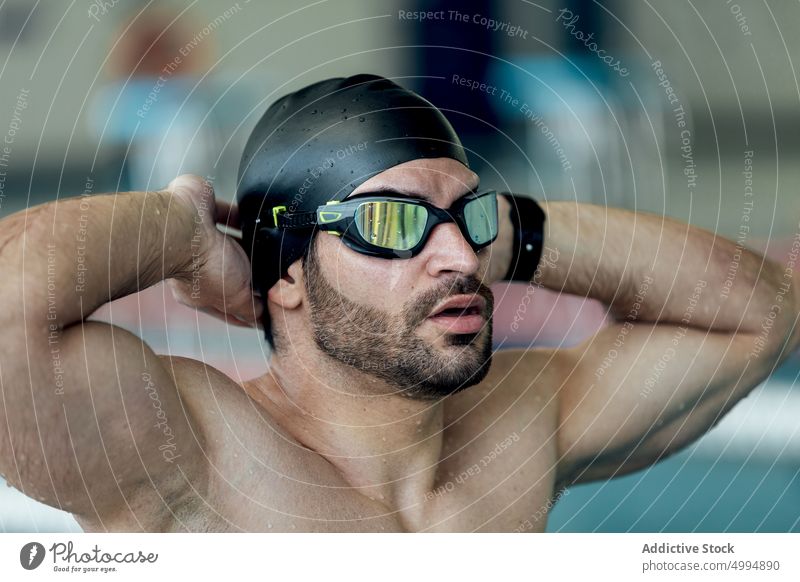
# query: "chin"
[463,361]
[450,379]
[460,340]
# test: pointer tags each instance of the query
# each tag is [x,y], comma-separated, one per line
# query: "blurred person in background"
[153,105]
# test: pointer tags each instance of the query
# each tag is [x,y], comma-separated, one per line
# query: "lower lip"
[459,323]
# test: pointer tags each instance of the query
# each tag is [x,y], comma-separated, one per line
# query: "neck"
[385,445]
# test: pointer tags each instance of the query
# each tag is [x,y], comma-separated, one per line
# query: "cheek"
[380,283]
[485,257]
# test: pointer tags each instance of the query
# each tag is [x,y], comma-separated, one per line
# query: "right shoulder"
[197,381]
[177,487]
[233,423]
[211,398]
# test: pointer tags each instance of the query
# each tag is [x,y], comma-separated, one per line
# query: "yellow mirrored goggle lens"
[391,225]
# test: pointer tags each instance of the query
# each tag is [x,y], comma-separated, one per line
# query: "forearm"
[64,259]
[657,269]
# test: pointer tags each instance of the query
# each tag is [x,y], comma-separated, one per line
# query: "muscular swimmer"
[367,254]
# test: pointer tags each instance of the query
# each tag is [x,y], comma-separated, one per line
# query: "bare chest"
[496,473]
[504,485]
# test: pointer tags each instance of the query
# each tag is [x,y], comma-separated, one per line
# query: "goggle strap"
[296,219]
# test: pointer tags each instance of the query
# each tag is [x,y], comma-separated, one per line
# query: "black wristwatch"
[528,218]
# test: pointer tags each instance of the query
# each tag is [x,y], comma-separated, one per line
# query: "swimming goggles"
[395,227]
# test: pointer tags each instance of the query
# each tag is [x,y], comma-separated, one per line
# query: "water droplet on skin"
[293,526]
[361,119]
[269,525]
[383,439]
[419,422]
[314,112]
[380,496]
[344,110]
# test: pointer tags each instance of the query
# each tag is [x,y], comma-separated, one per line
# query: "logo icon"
[31,555]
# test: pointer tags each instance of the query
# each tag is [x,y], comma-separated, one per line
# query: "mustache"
[417,309]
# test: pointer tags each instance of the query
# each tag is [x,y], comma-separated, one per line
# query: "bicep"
[92,416]
[636,392]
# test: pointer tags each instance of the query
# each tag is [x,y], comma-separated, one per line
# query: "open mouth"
[459,311]
[466,316]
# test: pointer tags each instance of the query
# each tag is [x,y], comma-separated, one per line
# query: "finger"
[227,214]
[239,320]
[189,184]
[247,308]
[227,317]
[178,292]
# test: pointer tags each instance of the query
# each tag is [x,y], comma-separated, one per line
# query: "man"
[384,408]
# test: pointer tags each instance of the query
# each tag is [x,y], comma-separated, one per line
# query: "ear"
[288,291]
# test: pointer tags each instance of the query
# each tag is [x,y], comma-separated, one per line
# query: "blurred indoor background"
[658,105]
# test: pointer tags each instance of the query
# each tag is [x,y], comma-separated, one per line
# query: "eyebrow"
[394,191]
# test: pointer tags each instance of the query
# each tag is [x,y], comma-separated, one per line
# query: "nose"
[449,252]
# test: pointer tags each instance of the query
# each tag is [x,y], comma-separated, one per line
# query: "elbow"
[778,333]
[784,309]
[792,325]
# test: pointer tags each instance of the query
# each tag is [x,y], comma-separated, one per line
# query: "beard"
[386,346]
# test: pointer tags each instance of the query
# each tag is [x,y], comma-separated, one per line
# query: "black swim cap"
[319,144]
